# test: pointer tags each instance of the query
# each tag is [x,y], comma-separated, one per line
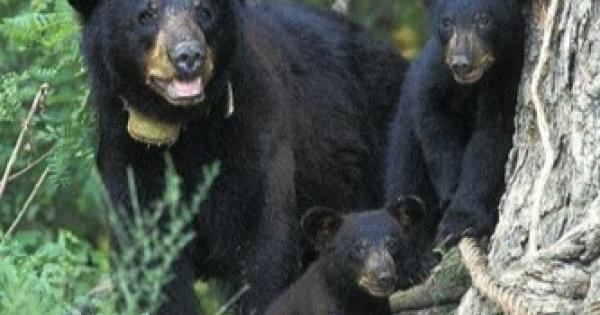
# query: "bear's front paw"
[457,224]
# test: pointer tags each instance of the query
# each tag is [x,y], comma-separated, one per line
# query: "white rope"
[549,154]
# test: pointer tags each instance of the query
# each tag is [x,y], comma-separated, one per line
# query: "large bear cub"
[292,102]
[364,257]
[452,134]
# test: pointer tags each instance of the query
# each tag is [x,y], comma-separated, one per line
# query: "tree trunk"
[547,242]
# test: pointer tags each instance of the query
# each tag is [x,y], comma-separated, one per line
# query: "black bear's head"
[168,50]
[476,34]
[368,253]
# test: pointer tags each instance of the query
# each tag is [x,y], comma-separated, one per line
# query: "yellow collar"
[151,131]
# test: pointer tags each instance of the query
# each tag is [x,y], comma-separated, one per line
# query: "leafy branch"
[39,100]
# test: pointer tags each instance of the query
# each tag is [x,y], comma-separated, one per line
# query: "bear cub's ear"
[408,210]
[320,224]
[84,7]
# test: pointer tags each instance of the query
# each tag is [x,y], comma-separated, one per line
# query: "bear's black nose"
[461,64]
[386,280]
[188,58]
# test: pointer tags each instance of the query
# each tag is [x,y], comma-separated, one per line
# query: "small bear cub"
[364,257]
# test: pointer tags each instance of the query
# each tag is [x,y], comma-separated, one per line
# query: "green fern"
[151,247]
[42,45]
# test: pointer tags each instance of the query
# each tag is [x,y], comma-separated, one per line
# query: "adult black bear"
[293,102]
[364,257]
[452,134]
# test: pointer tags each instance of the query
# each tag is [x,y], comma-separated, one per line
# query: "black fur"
[313,94]
[333,285]
[450,142]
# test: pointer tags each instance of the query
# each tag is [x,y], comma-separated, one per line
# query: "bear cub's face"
[369,252]
[170,46]
[475,34]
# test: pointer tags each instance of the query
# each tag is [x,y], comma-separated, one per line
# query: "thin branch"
[31,165]
[105,287]
[26,205]
[233,300]
[544,130]
[39,99]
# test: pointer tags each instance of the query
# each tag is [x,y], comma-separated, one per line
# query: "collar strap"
[230,101]
[152,131]
[149,130]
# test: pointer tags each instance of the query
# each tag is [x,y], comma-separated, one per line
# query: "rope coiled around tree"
[510,301]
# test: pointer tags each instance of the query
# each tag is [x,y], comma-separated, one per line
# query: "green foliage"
[404,22]
[40,274]
[37,45]
[450,275]
[148,251]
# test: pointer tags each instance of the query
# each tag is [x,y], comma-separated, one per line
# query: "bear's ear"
[319,225]
[408,210]
[84,7]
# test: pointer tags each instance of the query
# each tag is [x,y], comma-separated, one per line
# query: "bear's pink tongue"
[186,88]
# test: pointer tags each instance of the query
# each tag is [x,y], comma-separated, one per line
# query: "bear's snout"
[378,276]
[188,57]
[180,65]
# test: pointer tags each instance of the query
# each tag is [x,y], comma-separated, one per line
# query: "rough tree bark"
[341,6]
[547,242]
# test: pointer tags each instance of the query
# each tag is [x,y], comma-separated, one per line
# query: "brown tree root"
[446,285]
[452,278]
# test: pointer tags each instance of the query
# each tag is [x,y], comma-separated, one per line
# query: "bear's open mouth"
[179,92]
[375,290]
[477,73]
[469,78]
[380,293]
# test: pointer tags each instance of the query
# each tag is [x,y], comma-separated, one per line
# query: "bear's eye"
[206,14]
[482,21]
[362,247]
[148,15]
[447,22]
[392,244]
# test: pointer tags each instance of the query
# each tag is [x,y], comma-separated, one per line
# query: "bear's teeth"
[187,88]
